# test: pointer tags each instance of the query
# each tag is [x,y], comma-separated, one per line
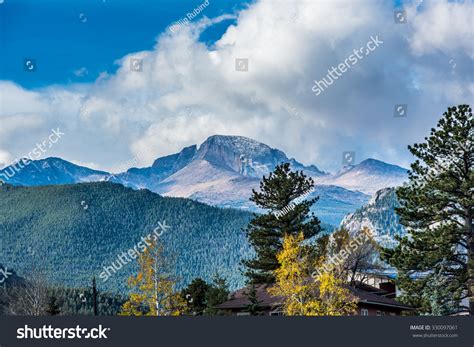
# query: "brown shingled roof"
[375,299]
[239,298]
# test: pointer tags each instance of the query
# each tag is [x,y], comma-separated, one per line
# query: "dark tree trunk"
[94,296]
[470,268]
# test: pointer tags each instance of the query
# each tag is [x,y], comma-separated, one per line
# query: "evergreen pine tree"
[53,308]
[195,296]
[217,294]
[94,296]
[439,301]
[254,303]
[437,211]
[284,216]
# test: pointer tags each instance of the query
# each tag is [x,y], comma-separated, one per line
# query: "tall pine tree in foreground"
[53,308]
[217,294]
[253,307]
[195,296]
[436,260]
[284,216]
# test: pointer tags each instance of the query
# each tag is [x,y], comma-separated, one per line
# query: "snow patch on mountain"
[246,156]
[223,171]
[368,177]
[379,216]
[200,175]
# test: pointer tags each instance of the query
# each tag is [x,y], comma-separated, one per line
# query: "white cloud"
[444,26]
[188,91]
[81,72]
[17,100]
[5,158]
[90,165]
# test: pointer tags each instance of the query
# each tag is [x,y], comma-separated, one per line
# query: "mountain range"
[75,220]
[368,177]
[222,172]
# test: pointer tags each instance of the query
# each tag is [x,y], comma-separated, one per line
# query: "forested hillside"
[379,216]
[70,232]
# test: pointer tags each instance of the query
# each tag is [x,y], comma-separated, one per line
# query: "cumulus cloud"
[187,90]
[5,158]
[444,27]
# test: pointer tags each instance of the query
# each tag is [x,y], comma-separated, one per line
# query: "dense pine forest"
[70,232]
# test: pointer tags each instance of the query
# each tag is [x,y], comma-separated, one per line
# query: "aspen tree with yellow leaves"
[152,290]
[303,295]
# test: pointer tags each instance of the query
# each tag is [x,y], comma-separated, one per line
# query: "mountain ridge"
[379,216]
[224,170]
[60,171]
[73,231]
[369,176]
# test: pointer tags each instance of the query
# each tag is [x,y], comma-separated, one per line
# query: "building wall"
[372,310]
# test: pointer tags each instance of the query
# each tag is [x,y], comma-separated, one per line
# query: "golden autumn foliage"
[335,298]
[302,295]
[152,290]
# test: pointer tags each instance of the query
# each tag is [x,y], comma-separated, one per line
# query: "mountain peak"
[247,156]
[238,143]
[240,154]
[372,164]
[371,161]
[47,171]
[185,155]
[230,138]
[368,176]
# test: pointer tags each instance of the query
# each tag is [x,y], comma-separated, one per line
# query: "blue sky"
[190,89]
[65,36]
